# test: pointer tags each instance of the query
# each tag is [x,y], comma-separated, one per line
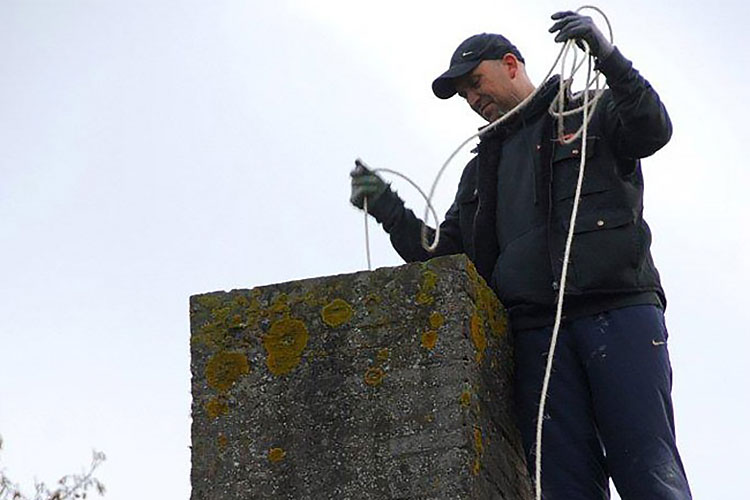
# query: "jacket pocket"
[604,255]
[600,220]
[522,274]
[566,164]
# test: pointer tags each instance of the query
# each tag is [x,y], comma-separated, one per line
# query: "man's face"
[489,89]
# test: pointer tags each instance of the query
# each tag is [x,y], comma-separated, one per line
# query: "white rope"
[428,200]
[367,236]
[586,108]
[563,279]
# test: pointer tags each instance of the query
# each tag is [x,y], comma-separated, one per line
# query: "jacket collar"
[538,104]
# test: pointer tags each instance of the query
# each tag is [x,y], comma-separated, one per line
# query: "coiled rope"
[557,109]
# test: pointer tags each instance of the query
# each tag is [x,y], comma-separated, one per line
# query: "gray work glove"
[366,183]
[578,27]
[382,202]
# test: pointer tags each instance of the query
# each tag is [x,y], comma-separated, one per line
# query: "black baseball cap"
[468,55]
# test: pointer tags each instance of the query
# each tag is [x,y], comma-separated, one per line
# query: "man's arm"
[633,117]
[635,120]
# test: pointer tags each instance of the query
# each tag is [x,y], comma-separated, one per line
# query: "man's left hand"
[575,26]
[366,184]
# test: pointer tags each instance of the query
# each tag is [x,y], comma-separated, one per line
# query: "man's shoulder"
[471,165]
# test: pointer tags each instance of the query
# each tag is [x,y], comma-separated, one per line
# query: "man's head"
[488,71]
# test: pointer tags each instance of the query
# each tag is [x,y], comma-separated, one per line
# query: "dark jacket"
[512,209]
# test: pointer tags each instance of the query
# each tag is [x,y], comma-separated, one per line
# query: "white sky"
[151,150]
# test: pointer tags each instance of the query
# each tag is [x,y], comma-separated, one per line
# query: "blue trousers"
[609,408]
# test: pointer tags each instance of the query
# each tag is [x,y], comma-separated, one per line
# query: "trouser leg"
[627,364]
[573,465]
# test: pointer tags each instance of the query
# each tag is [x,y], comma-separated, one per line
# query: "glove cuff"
[614,66]
[387,208]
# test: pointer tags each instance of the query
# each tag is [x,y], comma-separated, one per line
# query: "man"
[609,410]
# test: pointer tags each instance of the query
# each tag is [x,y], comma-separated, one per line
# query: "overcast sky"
[152,150]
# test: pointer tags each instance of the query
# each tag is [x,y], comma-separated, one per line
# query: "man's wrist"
[614,65]
[605,50]
[386,207]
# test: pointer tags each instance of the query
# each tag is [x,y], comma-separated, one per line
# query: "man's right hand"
[366,184]
[572,25]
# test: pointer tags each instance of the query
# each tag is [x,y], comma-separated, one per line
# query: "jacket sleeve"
[635,121]
[405,229]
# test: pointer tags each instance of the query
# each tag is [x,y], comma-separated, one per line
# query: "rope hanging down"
[428,200]
[557,109]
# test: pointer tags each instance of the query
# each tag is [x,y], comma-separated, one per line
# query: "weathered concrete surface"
[386,384]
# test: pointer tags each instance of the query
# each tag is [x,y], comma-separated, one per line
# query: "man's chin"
[491,113]
[491,117]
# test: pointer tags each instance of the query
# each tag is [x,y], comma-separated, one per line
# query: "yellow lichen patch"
[476,466]
[493,310]
[221,314]
[284,343]
[208,301]
[222,442]
[374,376]
[225,313]
[383,354]
[209,334]
[336,313]
[276,455]
[477,336]
[429,339]
[236,321]
[216,408]
[471,270]
[436,320]
[241,301]
[225,368]
[280,304]
[424,298]
[478,446]
[487,303]
[309,299]
[429,281]
[465,399]
[477,282]
[478,451]
[213,332]
[494,318]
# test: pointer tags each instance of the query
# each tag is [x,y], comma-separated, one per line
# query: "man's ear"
[511,62]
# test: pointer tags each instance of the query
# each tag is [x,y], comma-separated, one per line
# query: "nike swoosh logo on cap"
[464,54]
